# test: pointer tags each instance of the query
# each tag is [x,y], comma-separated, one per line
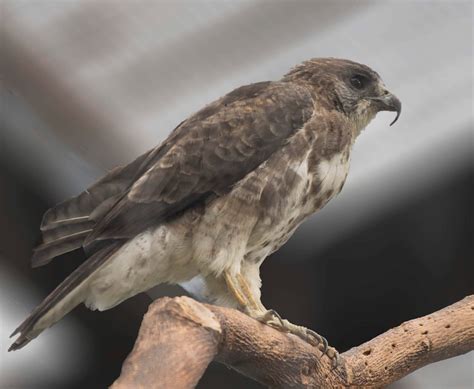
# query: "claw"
[321,342]
[276,315]
[273,319]
[333,356]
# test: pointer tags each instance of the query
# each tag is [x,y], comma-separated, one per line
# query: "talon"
[274,320]
[331,353]
[276,315]
[323,345]
[271,318]
[334,356]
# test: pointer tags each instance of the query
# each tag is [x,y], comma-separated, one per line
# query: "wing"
[207,154]
[65,226]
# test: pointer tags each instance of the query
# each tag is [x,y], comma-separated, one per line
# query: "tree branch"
[179,337]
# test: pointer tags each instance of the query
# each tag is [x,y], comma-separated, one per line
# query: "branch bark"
[179,337]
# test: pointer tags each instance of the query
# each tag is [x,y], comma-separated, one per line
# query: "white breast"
[333,172]
[273,231]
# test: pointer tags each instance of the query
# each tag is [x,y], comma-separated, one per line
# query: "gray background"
[87,85]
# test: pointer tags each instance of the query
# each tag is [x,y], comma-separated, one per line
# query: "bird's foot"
[273,319]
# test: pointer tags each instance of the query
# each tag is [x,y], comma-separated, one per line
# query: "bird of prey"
[228,187]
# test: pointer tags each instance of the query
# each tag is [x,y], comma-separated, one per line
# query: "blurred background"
[88,85]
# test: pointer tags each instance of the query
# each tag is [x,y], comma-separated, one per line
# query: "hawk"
[228,187]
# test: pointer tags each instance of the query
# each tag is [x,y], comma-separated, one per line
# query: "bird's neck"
[361,118]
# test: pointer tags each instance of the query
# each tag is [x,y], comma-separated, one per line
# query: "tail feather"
[78,209]
[62,300]
[61,222]
[45,252]
[65,228]
[63,231]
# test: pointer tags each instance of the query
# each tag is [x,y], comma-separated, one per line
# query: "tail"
[70,293]
[65,226]
[64,229]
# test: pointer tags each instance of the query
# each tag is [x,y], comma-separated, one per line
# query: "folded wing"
[205,155]
[209,153]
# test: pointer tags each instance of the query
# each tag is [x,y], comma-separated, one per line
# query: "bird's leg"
[234,289]
[254,303]
[252,306]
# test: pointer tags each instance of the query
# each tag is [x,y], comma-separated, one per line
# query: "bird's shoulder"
[209,153]
[227,139]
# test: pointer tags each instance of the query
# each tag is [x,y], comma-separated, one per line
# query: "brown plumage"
[226,188]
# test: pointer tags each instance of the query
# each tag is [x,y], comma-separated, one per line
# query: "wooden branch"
[179,337]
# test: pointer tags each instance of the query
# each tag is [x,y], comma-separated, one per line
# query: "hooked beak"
[388,102]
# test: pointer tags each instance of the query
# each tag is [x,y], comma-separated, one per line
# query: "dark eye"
[359,82]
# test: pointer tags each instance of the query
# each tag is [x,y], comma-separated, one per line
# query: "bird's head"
[348,86]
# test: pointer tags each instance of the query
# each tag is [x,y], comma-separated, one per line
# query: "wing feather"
[209,153]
